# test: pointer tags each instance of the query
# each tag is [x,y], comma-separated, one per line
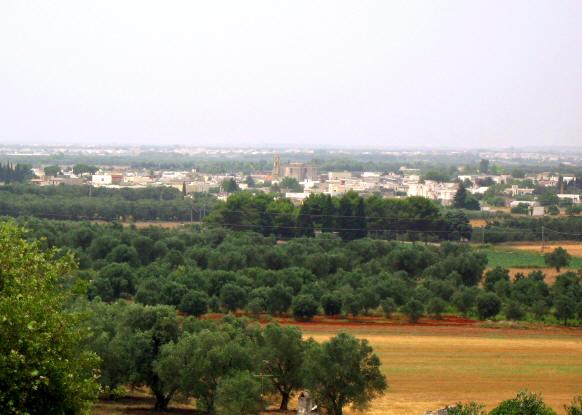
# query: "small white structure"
[574,198]
[537,211]
[101,179]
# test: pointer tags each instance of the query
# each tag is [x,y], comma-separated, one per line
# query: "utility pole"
[543,239]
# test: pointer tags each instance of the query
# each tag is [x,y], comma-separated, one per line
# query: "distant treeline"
[10,173]
[513,229]
[252,163]
[85,202]
[350,216]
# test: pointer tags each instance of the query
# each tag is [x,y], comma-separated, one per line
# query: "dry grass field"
[575,249]
[428,366]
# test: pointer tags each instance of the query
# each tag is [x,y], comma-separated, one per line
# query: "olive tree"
[558,258]
[525,403]
[283,354]
[343,371]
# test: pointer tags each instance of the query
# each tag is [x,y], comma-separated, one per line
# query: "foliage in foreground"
[43,369]
[208,360]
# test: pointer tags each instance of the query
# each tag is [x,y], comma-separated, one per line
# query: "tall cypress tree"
[360,222]
[460,197]
[305,221]
[327,215]
[345,219]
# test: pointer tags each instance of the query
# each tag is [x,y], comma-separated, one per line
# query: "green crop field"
[518,258]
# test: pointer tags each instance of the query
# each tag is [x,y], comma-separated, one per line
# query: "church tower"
[276,167]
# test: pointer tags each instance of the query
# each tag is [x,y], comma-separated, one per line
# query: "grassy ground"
[520,257]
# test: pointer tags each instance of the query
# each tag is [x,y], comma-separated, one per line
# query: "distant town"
[533,191]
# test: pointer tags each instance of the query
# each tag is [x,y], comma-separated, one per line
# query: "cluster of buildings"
[402,183]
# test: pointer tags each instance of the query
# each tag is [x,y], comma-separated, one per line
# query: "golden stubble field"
[573,248]
[429,367]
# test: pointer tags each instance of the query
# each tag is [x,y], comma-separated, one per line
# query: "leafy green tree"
[565,307]
[256,306]
[197,363]
[52,170]
[469,408]
[305,221]
[484,166]
[360,222]
[458,225]
[344,371]
[194,303]
[413,309]
[283,353]
[389,306]
[43,367]
[513,311]
[331,303]
[145,249]
[553,210]
[233,297]
[144,331]
[239,394]
[464,299]
[460,197]
[328,212]
[436,306]
[124,254]
[539,309]
[230,185]
[558,258]
[525,403]
[250,181]
[548,198]
[520,209]
[352,304]
[575,408]
[113,281]
[81,168]
[492,277]
[279,299]
[107,344]
[290,184]
[304,307]
[347,228]
[488,305]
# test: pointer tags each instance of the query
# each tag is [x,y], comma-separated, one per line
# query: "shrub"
[525,403]
[488,305]
[575,408]
[436,306]
[413,309]
[304,307]
[388,307]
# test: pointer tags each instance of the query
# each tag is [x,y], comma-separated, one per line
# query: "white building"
[574,198]
[101,179]
[443,192]
[339,175]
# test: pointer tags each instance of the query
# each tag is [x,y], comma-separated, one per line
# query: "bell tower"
[276,166]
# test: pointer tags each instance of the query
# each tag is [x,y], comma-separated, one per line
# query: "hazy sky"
[292,73]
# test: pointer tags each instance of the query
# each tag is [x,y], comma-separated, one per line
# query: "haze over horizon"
[359,74]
